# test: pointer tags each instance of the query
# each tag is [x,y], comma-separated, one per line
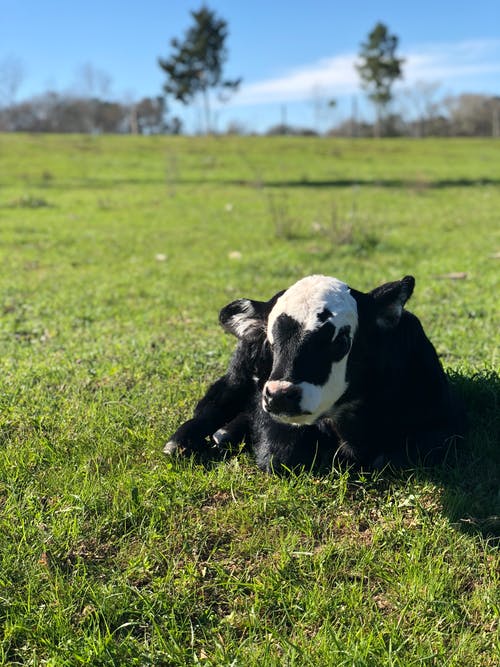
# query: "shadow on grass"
[304,182]
[471,478]
[384,183]
[95,183]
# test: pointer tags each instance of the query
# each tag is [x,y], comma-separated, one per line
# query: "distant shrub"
[285,225]
[29,201]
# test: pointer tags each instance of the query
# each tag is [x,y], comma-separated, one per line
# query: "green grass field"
[117,254]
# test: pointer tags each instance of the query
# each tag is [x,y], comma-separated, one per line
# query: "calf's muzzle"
[281,397]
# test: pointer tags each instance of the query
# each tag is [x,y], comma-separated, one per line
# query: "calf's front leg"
[225,399]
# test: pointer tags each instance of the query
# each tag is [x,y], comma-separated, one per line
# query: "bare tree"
[425,106]
[472,114]
[495,116]
[92,82]
[323,107]
[150,115]
[11,77]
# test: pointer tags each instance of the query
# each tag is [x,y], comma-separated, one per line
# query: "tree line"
[194,73]
[465,115]
[462,115]
[67,112]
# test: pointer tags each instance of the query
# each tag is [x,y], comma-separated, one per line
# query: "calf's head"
[309,330]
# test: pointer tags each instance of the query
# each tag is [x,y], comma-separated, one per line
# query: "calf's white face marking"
[308,320]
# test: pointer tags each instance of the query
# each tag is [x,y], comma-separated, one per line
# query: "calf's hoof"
[171,448]
[222,438]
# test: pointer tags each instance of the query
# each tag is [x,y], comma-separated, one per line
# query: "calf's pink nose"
[276,386]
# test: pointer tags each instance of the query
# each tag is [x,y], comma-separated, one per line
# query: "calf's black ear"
[245,318]
[390,300]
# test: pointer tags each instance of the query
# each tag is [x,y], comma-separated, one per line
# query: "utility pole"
[283,117]
[495,117]
[134,125]
[354,116]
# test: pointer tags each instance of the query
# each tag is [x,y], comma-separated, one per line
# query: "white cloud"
[337,75]
[453,61]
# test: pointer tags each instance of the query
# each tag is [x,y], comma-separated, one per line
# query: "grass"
[117,254]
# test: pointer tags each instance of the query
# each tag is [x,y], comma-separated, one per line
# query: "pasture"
[117,254]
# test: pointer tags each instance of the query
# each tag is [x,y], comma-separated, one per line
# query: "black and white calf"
[323,372]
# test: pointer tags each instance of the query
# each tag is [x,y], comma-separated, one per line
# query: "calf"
[325,373]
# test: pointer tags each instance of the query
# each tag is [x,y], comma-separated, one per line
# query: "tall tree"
[379,67]
[196,64]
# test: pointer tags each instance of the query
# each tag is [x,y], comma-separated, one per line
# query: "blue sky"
[292,56]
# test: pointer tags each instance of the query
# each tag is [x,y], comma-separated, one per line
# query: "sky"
[292,56]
